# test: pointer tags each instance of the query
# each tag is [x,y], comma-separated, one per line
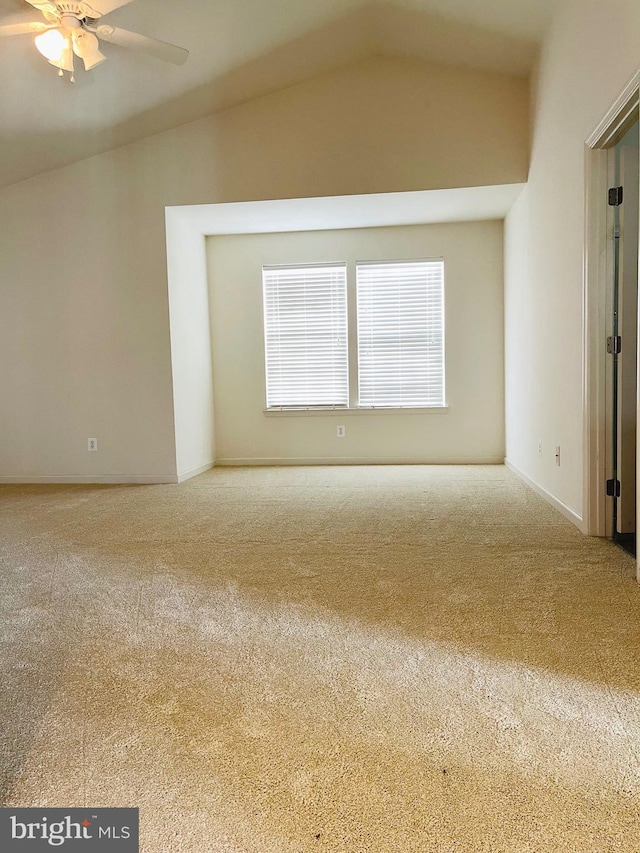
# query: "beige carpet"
[322,659]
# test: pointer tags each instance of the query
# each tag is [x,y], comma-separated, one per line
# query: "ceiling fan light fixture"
[52,44]
[87,47]
[71,28]
[65,63]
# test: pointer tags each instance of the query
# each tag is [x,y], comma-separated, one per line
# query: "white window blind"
[305,320]
[401,333]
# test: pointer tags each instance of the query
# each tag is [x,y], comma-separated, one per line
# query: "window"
[398,308]
[401,333]
[305,318]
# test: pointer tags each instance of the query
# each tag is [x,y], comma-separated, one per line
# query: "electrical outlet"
[558,455]
[341,431]
[92,444]
[540,447]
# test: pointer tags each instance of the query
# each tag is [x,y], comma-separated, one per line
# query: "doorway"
[622,344]
[610,365]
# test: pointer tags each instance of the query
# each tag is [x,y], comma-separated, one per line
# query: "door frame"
[597,297]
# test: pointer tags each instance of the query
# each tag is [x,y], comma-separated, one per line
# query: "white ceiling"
[238,49]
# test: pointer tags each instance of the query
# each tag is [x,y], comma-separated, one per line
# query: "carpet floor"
[290,660]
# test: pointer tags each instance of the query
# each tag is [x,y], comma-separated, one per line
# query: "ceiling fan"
[72,29]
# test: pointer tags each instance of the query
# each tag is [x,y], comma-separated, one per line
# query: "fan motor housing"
[80,11]
[70,22]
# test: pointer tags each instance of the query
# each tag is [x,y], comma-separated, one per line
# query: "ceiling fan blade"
[154,47]
[31,27]
[44,6]
[103,7]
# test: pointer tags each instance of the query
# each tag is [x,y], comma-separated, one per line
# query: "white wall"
[471,430]
[590,54]
[380,126]
[84,349]
[190,347]
[85,344]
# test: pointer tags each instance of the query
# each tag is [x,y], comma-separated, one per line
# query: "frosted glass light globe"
[51,44]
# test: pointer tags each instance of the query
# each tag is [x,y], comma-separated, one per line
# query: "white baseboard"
[94,479]
[193,472]
[568,513]
[358,460]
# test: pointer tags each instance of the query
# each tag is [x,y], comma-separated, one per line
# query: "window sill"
[364,410]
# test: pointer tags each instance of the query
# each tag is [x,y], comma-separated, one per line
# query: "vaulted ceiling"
[239,49]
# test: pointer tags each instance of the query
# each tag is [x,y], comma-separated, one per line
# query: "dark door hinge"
[613,488]
[615,196]
[614,344]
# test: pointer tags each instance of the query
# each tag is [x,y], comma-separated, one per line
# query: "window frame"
[359,333]
[324,266]
[352,332]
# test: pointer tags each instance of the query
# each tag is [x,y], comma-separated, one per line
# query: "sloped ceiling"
[239,49]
